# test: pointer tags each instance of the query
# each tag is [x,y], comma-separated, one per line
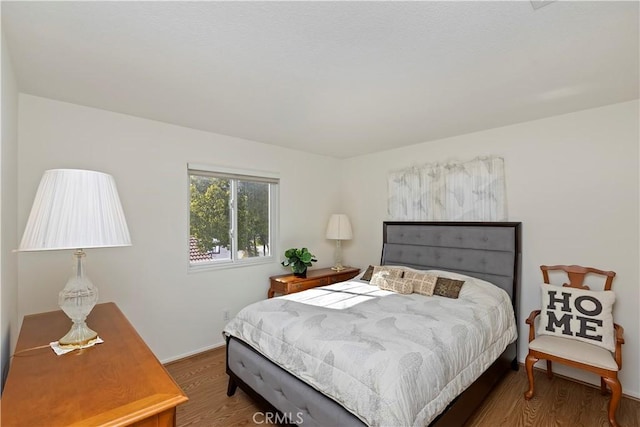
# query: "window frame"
[235,175]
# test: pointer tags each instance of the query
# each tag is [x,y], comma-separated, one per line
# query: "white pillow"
[578,314]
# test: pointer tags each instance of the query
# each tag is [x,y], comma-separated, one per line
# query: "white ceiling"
[334,78]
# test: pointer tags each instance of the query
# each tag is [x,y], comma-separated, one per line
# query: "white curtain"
[469,191]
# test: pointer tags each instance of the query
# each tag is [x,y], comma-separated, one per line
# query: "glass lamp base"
[337,257]
[77,300]
[78,336]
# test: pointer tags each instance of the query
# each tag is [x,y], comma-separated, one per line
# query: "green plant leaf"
[306,257]
[298,259]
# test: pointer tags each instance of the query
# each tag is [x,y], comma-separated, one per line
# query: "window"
[232,216]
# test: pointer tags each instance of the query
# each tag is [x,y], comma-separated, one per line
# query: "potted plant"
[298,260]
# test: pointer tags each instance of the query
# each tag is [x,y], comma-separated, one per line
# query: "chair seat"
[578,351]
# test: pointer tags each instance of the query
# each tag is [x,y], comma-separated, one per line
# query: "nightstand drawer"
[308,284]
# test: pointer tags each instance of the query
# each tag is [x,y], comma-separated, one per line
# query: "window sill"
[223,265]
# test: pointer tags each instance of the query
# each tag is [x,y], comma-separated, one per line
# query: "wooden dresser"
[290,283]
[117,383]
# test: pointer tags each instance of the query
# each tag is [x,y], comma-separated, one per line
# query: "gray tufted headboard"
[487,250]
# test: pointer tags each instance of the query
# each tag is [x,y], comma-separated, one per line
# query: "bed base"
[284,397]
[263,380]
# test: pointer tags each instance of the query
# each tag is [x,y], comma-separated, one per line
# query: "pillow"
[449,288]
[367,274]
[423,283]
[397,284]
[578,314]
[381,273]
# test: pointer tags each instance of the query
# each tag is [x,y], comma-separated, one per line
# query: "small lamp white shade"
[339,228]
[75,209]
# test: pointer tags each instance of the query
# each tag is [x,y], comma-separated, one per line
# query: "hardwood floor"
[557,402]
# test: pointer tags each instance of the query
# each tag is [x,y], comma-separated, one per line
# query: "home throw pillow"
[449,288]
[381,274]
[578,314]
[423,283]
[397,284]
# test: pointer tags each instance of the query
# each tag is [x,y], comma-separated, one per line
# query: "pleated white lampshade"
[75,209]
[339,228]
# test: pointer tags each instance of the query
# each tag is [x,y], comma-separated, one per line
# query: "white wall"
[573,182]
[8,214]
[175,312]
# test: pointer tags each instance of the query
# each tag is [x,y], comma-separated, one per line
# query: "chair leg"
[529,362]
[603,386]
[616,394]
[549,370]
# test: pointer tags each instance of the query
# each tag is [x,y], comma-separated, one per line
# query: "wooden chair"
[591,358]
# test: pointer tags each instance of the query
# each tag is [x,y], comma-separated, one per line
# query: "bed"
[334,377]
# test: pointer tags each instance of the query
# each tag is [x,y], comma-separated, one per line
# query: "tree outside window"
[230,217]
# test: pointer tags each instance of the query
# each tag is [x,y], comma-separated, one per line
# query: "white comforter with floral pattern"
[390,359]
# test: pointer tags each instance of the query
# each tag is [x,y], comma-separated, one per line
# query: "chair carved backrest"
[577,274]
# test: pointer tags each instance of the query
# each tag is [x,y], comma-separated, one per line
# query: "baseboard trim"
[193,353]
[564,377]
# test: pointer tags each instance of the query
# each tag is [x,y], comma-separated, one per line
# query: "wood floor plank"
[557,402]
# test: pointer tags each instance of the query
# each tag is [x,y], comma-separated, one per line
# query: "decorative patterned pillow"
[382,273]
[397,284]
[423,283]
[578,314]
[367,274]
[449,288]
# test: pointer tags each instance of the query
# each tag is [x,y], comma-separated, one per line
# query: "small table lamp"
[339,229]
[76,209]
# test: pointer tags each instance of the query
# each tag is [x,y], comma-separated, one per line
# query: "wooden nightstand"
[289,283]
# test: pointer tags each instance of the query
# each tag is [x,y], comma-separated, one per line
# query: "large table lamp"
[338,229]
[76,209]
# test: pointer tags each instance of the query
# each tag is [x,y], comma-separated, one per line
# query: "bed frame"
[490,251]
